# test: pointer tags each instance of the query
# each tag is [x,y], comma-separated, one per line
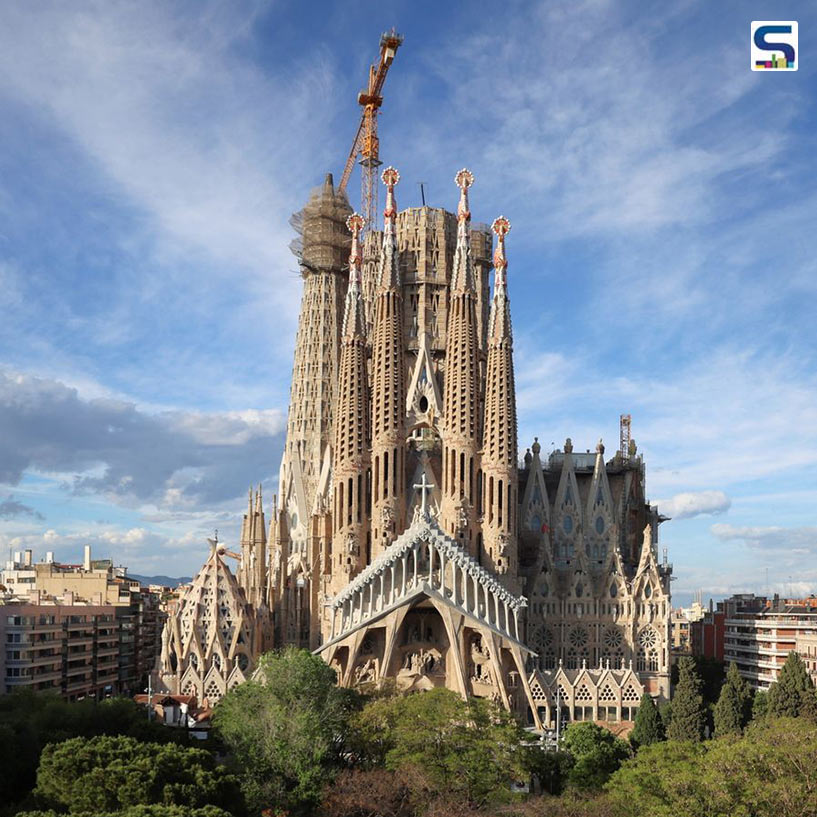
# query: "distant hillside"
[167,581]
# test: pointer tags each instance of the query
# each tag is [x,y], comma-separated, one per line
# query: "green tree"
[285,731]
[471,750]
[649,728]
[760,704]
[712,674]
[663,780]
[108,774]
[29,721]
[790,696]
[733,706]
[770,772]
[688,711]
[596,752]
[550,768]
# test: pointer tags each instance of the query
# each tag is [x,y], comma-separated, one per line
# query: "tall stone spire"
[499,437]
[252,571]
[324,249]
[351,447]
[388,386]
[462,387]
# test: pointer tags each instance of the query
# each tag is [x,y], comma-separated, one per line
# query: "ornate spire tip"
[390,176]
[355,223]
[464,179]
[501,226]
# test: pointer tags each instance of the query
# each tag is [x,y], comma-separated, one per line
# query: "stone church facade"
[409,544]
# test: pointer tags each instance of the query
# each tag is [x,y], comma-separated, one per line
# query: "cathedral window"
[567,524]
[599,525]
[647,658]
[578,637]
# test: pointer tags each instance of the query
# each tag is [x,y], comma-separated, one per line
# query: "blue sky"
[662,259]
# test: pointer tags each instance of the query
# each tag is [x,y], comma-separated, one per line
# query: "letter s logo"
[773,45]
[763,45]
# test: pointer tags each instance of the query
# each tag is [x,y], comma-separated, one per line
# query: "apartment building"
[760,633]
[78,630]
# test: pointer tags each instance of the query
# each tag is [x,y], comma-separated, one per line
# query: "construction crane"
[366,144]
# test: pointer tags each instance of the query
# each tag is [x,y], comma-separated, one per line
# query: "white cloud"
[770,537]
[690,504]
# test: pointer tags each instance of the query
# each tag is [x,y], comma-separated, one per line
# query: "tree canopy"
[285,731]
[30,720]
[688,711]
[769,772]
[110,774]
[733,708]
[792,695]
[470,749]
[596,752]
[649,728]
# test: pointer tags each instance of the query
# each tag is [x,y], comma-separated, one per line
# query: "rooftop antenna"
[624,444]
[422,192]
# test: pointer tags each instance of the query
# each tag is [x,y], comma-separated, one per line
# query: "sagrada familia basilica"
[408,543]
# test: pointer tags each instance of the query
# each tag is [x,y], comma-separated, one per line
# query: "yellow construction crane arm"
[366,144]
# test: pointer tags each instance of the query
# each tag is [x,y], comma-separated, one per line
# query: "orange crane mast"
[366,144]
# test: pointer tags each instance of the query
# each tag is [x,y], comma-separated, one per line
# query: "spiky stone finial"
[464,179]
[501,228]
[391,177]
[355,223]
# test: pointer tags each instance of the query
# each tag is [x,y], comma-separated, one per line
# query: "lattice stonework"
[537,692]
[583,693]
[630,695]
[607,694]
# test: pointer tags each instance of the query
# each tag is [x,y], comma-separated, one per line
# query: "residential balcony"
[45,660]
[46,628]
[54,675]
[78,641]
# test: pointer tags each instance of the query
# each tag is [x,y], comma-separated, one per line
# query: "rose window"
[647,638]
[578,637]
[612,639]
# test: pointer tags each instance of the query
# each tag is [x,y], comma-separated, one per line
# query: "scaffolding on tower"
[366,143]
[624,445]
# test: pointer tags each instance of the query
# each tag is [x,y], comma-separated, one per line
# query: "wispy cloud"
[176,460]
[690,504]
[801,540]
[11,508]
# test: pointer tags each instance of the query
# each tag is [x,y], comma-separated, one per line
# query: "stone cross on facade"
[424,486]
